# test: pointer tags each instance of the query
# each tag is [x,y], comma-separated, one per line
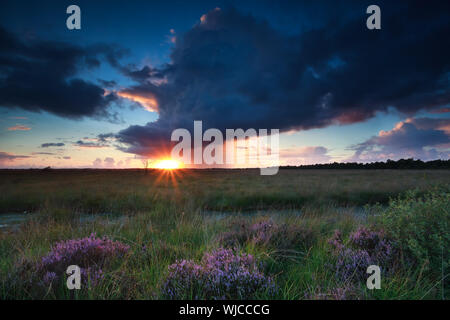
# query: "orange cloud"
[148,101]
[19,127]
[18,118]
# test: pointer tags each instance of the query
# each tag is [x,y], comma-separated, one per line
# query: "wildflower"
[91,254]
[222,274]
[364,248]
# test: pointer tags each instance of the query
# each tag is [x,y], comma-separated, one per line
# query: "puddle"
[12,221]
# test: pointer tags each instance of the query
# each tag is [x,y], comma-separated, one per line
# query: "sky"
[110,94]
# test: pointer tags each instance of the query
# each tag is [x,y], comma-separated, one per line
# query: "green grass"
[127,191]
[168,218]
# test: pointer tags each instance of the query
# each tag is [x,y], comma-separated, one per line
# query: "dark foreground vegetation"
[226,234]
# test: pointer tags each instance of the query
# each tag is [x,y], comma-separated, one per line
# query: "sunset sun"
[167,164]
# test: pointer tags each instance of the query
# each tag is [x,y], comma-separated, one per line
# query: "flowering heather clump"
[263,231]
[221,274]
[49,278]
[336,240]
[352,264]
[91,254]
[375,243]
[260,233]
[364,248]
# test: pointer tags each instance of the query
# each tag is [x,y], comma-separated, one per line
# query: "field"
[225,234]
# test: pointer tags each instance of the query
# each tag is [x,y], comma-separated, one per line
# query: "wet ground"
[12,221]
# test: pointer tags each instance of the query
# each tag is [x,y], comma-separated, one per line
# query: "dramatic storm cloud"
[232,70]
[41,76]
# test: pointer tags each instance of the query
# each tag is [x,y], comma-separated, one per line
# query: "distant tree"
[145,163]
[389,164]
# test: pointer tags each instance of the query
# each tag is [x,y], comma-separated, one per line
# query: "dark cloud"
[232,70]
[107,83]
[40,75]
[52,144]
[43,153]
[149,140]
[83,144]
[104,137]
[421,138]
[141,75]
[9,157]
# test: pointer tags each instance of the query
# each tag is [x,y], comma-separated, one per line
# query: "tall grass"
[127,191]
[163,223]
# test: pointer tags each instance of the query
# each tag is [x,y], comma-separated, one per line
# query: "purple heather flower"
[364,248]
[91,254]
[222,274]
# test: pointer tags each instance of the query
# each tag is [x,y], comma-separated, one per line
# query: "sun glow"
[167,164]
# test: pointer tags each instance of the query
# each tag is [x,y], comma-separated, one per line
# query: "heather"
[94,256]
[363,248]
[222,274]
[91,254]
[226,234]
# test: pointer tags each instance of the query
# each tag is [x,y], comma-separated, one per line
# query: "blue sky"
[280,61]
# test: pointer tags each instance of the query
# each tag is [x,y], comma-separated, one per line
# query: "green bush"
[421,227]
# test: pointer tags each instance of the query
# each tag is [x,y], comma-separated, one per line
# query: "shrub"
[421,227]
[336,240]
[364,248]
[221,274]
[378,247]
[263,232]
[91,254]
[352,264]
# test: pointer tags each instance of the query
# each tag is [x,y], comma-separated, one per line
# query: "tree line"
[389,164]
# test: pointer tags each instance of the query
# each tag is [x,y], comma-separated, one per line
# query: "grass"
[170,217]
[127,191]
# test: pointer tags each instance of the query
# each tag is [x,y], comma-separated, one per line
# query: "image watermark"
[239,148]
[74,278]
[374,280]
[73,21]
